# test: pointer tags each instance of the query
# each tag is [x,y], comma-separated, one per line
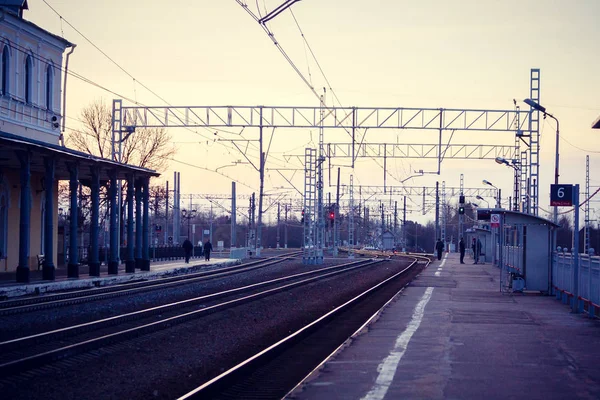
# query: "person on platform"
[439,246]
[207,250]
[461,248]
[187,247]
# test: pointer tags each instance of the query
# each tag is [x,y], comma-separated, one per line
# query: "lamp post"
[542,109]
[497,192]
[474,207]
[185,214]
[514,164]
[482,199]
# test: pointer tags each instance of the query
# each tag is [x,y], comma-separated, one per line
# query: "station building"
[33,158]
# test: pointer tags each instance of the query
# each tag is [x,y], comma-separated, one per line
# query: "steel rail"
[246,367]
[357,331]
[36,360]
[88,295]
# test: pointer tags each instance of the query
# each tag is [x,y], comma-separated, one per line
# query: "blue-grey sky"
[430,53]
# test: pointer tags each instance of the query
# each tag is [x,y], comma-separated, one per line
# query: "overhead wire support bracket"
[277,11]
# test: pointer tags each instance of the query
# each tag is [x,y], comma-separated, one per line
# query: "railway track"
[280,368]
[24,305]
[24,353]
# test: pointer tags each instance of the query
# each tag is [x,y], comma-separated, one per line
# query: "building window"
[5,69]
[49,86]
[28,79]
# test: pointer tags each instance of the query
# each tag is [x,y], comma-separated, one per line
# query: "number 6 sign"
[561,195]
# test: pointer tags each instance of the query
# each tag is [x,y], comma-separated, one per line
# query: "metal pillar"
[461,217]
[320,237]
[285,228]
[262,185]
[94,263]
[233,216]
[310,207]
[73,265]
[130,261]
[113,264]
[444,214]
[404,226]
[177,213]
[586,246]
[575,251]
[48,267]
[351,220]
[534,140]
[336,218]
[166,238]
[278,222]
[437,210]
[524,184]
[24,216]
[395,223]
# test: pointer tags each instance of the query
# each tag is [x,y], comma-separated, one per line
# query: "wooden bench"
[40,260]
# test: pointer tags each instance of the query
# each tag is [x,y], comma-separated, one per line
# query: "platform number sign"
[561,195]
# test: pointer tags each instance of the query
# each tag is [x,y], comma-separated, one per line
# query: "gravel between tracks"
[171,362]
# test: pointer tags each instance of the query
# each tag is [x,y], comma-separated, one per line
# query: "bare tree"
[147,148]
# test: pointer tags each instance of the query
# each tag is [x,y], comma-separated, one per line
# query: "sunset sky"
[430,53]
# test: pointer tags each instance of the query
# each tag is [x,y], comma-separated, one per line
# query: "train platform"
[451,334]
[158,269]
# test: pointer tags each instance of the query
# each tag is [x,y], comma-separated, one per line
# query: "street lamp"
[482,199]
[185,214]
[514,164]
[497,192]
[542,109]
[511,163]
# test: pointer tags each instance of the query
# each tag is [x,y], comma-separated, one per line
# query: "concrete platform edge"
[36,288]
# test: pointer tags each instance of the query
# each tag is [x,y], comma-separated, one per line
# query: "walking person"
[478,248]
[439,246]
[474,248]
[207,250]
[461,248]
[187,247]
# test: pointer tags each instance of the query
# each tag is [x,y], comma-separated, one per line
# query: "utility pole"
[167,214]
[437,210]
[404,227]
[395,222]
[262,183]
[285,228]
[233,217]
[336,219]
[278,222]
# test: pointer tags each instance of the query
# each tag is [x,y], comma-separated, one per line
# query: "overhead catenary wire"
[135,80]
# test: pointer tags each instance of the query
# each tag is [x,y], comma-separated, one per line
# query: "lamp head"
[501,160]
[534,105]
[487,182]
[479,197]
[474,205]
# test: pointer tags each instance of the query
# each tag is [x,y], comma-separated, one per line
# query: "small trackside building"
[522,248]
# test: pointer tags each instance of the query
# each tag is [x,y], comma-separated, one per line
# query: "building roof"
[9,143]
[596,124]
[534,218]
[12,5]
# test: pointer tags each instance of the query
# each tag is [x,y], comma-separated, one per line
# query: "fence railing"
[588,280]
